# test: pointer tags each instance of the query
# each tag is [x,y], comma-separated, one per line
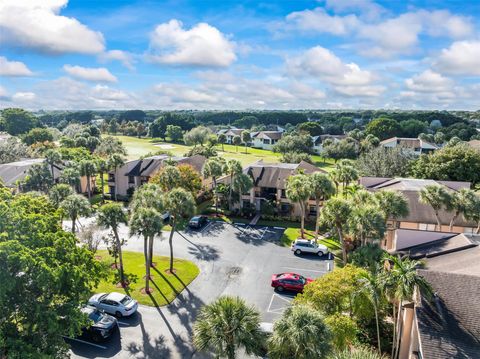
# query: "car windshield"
[302,279]
[126,300]
[95,315]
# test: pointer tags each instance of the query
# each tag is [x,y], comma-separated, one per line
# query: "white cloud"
[3,93]
[461,58]
[347,79]
[429,82]
[98,74]
[367,8]
[23,96]
[125,58]
[319,20]
[13,68]
[202,45]
[38,25]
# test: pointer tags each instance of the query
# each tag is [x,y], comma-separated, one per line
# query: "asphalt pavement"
[233,260]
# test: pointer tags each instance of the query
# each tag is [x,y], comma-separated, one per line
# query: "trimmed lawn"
[138,147]
[166,286]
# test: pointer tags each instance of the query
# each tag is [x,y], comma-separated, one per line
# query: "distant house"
[134,173]
[319,140]
[233,132]
[414,145]
[13,173]
[266,139]
[269,184]
[421,216]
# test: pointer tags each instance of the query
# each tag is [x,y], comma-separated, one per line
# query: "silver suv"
[305,246]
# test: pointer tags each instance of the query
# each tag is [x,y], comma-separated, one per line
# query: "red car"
[289,281]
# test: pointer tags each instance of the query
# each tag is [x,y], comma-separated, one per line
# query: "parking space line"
[278,310]
[307,270]
[204,228]
[279,227]
[85,342]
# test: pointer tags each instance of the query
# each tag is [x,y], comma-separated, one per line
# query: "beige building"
[134,173]
[414,145]
[421,216]
[269,184]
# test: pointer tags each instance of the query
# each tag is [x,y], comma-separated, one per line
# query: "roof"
[274,175]
[115,296]
[410,142]
[465,261]
[427,244]
[11,172]
[234,132]
[449,323]
[319,139]
[273,135]
[149,165]
[410,188]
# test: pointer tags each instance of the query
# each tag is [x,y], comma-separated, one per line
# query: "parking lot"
[233,260]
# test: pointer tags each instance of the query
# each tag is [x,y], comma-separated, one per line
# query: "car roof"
[303,241]
[289,275]
[115,296]
[88,309]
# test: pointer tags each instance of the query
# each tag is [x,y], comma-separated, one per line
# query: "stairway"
[254,220]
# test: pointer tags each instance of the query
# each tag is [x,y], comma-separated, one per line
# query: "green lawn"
[137,147]
[166,286]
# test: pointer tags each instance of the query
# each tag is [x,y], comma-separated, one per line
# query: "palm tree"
[222,139]
[71,176]
[110,146]
[366,222]
[335,213]
[75,205]
[179,203]
[436,197]
[114,162]
[214,167]
[233,168]
[111,215]
[371,287]
[298,190]
[237,140]
[146,222]
[241,184]
[102,168]
[59,192]
[226,325]
[322,188]
[246,138]
[458,203]
[52,157]
[169,177]
[88,169]
[300,333]
[345,172]
[472,211]
[393,204]
[401,279]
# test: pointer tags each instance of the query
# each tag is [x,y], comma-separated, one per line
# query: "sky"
[237,55]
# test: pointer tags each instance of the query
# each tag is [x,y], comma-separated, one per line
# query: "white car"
[118,304]
[305,246]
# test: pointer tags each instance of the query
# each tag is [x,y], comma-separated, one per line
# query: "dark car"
[289,281]
[102,325]
[197,222]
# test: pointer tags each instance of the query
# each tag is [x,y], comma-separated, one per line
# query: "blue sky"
[330,54]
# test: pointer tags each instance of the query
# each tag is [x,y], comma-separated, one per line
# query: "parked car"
[306,246]
[118,304]
[198,222]
[102,325]
[289,281]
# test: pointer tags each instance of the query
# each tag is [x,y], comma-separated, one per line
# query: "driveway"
[233,260]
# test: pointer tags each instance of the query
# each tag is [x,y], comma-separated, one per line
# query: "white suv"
[305,246]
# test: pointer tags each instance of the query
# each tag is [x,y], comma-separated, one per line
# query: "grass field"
[138,147]
[165,286]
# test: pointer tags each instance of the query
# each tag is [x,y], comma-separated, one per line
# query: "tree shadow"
[203,252]
[147,350]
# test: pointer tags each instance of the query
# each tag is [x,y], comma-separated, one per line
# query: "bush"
[201,150]
[296,157]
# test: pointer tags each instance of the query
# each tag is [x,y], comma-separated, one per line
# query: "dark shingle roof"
[449,324]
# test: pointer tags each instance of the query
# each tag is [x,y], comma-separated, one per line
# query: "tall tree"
[393,204]
[246,138]
[367,222]
[115,161]
[437,197]
[58,193]
[38,178]
[168,178]
[458,202]
[236,141]
[179,203]
[111,215]
[233,168]
[322,188]
[214,167]
[222,139]
[241,184]
[300,333]
[53,157]
[102,168]
[71,176]
[88,169]
[298,190]
[335,213]
[226,325]
[75,205]
[110,146]
[472,211]
[146,222]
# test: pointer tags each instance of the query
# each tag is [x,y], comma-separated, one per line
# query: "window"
[111,177]
[284,194]
[426,227]
[312,210]
[131,179]
[266,141]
